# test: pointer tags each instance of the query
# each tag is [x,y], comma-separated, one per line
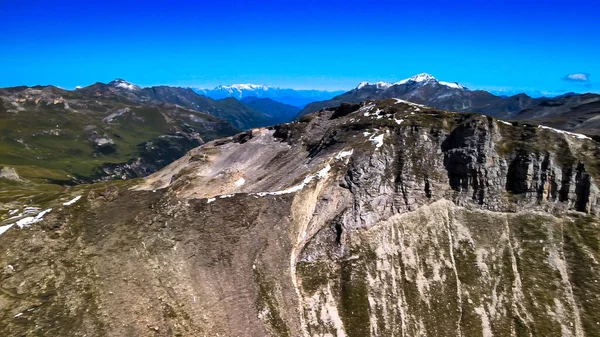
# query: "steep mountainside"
[297,98]
[280,112]
[425,89]
[375,219]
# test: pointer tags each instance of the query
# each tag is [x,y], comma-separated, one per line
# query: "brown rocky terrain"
[375,219]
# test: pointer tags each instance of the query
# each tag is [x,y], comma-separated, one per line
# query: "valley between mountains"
[128,211]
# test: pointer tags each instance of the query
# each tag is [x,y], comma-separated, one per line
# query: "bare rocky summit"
[374,219]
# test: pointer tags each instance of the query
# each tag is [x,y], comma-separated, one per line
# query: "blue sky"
[496,45]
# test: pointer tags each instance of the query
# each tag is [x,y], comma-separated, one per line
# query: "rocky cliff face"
[382,218]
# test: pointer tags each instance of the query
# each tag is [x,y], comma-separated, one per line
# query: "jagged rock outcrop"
[10,173]
[384,219]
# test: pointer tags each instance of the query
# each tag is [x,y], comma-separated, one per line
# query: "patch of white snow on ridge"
[127,86]
[288,190]
[416,105]
[31,210]
[366,109]
[71,202]
[362,85]
[324,172]
[453,85]
[31,220]
[343,154]
[398,121]
[378,140]
[223,196]
[13,211]
[576,135]
[24,222]
[504,122]
[209,200]
[240,182]
[5,228]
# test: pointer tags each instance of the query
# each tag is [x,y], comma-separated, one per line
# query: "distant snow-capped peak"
[119,83]
[425,78]
[420,79]
[244,86]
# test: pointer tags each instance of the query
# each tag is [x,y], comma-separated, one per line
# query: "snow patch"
[71,202]
[452,85]
[126,85]
[324,172]
[417,106]
[378,140]
[576,135]
[367,109]
[504,122]
[343,154]
[288,190]
[5,228]
[32,219]
[398,121]
[209,200]
[240,182]
[26,221]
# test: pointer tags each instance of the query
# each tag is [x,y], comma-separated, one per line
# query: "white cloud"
[577,77]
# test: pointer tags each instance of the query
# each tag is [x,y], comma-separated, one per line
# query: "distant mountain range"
[427,90]
[117,129]
[298,98]
[569,112]
[229,109]
[120,129]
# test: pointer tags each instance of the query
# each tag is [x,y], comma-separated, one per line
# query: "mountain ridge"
[426,89]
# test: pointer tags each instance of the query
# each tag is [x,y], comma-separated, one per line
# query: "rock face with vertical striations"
[375,219]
